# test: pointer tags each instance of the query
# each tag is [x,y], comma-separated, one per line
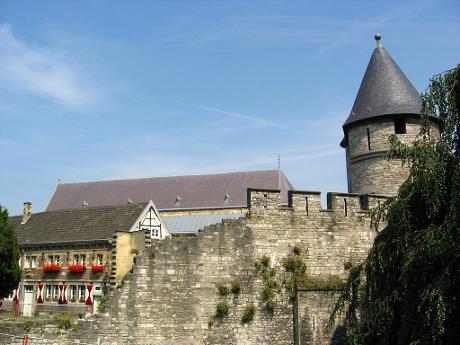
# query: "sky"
[97,90]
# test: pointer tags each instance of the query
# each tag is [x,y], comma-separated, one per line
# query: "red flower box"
[76,268]
[51,268]
[97,268]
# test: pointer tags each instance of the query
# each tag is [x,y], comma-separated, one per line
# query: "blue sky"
[93,90]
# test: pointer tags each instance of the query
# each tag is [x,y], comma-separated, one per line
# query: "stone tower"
[387,103]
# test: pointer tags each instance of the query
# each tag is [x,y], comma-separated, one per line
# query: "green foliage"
[64,321]
[331,283]
[265,261]
[102,303]
[10,273]
[271,305]
[270,285]
[223,289]
[408,287]
[248,314]
[28,324]
[235,286]
[222,309]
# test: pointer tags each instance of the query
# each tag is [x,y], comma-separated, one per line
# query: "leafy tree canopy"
[10,273]
[407,291]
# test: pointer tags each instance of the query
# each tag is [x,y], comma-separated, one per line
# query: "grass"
[223,289]
[248,314]
[235,286]
[222,309]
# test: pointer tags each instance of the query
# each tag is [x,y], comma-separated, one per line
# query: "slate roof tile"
[82,224]
[195,191]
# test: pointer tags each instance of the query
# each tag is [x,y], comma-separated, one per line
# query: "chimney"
[27,212]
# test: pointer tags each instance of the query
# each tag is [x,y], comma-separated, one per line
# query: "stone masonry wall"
[368,169]
[171,296]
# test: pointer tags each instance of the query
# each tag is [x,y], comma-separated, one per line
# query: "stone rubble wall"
[369,171]
[172,293]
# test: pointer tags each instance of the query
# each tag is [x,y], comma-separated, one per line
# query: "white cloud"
[230,114]
[39,71]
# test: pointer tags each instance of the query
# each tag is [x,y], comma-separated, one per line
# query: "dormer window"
[178,200]
[400,125]
[226,199]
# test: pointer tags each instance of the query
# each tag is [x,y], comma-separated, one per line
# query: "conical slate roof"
[384,90]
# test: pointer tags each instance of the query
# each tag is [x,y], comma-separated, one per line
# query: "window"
[48,292]
[155,233]
[30,262]
[33,262]
[79,259]
[73,293]
[400,126]
[29,288]
[99,259]
[81,293]
[54,259]
[368,139]
[55,291]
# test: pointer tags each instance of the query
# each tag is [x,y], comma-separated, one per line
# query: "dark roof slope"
[195,191]
[15,220]
[82,224]
[384,90]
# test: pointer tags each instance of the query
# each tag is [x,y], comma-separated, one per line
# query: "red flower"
[76,268]
[97,268]
[51,268]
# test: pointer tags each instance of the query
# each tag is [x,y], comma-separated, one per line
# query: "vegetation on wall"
[248,314]
[10,272]
[286,282]
[407,290]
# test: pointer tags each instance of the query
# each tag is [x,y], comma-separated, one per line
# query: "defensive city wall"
[172,293]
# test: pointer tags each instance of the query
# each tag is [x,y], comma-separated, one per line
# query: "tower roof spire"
[384,90]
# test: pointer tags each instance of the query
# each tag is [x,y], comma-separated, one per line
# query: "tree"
[10,273]
[407,291]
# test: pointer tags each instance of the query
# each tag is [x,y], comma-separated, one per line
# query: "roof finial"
[279,162]
[378,37]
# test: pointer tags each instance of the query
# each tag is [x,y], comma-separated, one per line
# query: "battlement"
[306,202]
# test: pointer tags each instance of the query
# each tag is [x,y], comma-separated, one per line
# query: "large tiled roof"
[194,191]
[384,90]
[82,224]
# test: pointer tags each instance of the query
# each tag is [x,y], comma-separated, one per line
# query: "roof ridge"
[170,176]
[90,208]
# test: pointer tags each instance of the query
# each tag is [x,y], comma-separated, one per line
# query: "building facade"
[71,258]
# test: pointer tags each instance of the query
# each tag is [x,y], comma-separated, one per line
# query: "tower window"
[400,126]
[368,139]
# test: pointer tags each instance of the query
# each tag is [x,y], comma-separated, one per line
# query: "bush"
[64,321]
[224,290]
[249,313]
[222,309]
[235,286]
